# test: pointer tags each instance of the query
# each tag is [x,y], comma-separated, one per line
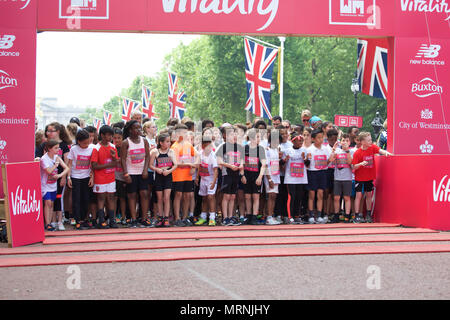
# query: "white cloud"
[89,68]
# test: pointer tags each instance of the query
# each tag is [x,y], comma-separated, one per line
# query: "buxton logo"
[29,205]
[425,88]
[441,191]
[244,7]
[428,6]
[6,81]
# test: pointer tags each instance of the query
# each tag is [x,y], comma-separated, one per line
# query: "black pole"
[356,103]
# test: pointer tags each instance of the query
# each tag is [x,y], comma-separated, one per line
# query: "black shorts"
[367,185]
[183,186]
[251,187]
[317,180]
[162,182]
[330,178]
[137,184]
[342,188]
[121,189]
[230,184]
[151,178]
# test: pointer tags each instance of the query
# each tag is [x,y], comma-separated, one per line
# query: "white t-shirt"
[81,161]
[295,170]
[273,165]
[48,184]
[319,158]
[343,171]
[283,147]
[207,165]
[331,165]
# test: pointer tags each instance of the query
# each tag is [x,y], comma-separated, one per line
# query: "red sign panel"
[24,203]
[348,121]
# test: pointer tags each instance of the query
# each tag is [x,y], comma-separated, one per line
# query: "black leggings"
[282,199]
[296,193]
[80,198]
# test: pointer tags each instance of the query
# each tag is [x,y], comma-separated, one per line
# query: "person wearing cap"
[76,121]
[315,122]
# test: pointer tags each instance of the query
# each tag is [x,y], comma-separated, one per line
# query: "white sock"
[191,214]
[212,216]
[203,215]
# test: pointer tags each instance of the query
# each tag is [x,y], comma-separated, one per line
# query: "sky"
[87,69]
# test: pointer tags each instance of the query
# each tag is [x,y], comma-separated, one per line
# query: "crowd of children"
[130,175]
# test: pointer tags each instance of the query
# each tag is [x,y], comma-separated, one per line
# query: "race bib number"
[369,160]
[203,170]
[109,170]
[83,162]
[51,179]
[185,159]
[297,170]
[275,167]
[233,158]
[320,162]
[137,155]
[341,161]
[251,164]
[164,162]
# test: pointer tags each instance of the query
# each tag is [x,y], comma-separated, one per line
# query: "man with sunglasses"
[306,116]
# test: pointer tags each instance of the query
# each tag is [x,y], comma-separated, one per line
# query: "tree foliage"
[317,75]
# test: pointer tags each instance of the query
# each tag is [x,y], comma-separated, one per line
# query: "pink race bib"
[203,170]
[251,164]
[275,167]
[137,155]
[297,170]
[320,162]
[164,162]
[83,162]
[341,161]
[109,170]
[369,159]
[50,179]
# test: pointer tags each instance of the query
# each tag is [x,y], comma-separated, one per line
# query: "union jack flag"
[97,124]
[147,104]
[128,106]
[107,118]
[177,101]
[372,67]
[259,64]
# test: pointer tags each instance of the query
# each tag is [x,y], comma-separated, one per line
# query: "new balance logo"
[431,51]
[7,41]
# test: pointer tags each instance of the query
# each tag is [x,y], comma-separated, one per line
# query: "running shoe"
[49,227]
[358,218]
[200,222]
[226,222]
[211,222]
[166,222]
[311,220]
[298,220]
[187,222]
[72,221]
[235,221]
[253,220]
[179,223]
[133,224]
[369,218]
[60,226]
[272,221]
[103,225]
[145,223]
[113,224]
[347,218]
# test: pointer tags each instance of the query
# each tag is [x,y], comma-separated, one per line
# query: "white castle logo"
[426,114]
[426,147]
[2,145]
[2,108]
[352,6]
[84,3]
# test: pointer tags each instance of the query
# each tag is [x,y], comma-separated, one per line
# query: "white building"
[48,111]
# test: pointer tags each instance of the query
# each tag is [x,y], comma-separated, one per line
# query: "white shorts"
[102,188]
[205,189]
[268,190]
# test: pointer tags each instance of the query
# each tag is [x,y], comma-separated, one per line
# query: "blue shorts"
[317,180]
[50,196]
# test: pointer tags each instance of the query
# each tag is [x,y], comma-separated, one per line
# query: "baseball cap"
[75,120]
[314,119]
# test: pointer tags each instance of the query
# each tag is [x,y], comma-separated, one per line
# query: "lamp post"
[355,89]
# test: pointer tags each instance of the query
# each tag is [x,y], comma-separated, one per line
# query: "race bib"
[251,164]
[275,167]
[369,160]
[137,155]
[203,170]
[50,179]
[83,162]
[341,161]
[109,170]
[297,170]
[164,162]
[320,162]
[185,159]
[233,158]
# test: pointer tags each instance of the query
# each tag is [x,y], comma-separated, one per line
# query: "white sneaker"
[54,225]
[271,221]
[278,218]
[325,219]
[60,227]
[312,220]
[320,220]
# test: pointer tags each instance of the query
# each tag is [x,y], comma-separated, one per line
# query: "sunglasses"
[305,120]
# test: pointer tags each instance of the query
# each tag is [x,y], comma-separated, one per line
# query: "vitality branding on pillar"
[31,204]
[6,43]
[425,88]
[23,3]
[352,12]
[441,190]
[426,55]
[7,81]
[84,9]
[427,6]
[244,7]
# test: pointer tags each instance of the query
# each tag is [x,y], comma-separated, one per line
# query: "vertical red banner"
[422,95]
[17,80]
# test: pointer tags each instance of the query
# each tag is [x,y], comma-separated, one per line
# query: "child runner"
[135,154]
[230,157]
[182,176]
[365,173]
[208,173]
[80,178]
[272,177]
[342,176]
[254,169]
[49,164]
[282,198]
[150,129]
[104,161]
[317,175]
[332,135]
[163,162]
[121,185]
[295,177]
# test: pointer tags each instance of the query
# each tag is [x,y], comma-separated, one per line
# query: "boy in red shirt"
[104,161]
[365,173]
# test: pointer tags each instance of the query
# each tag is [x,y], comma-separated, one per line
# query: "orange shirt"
[102,155]
[185,154]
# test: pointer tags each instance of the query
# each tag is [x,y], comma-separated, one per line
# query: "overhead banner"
[422,96]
